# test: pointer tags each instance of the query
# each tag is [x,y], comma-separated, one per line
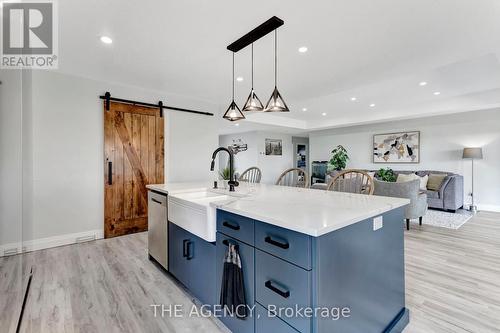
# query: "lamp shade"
[475,153]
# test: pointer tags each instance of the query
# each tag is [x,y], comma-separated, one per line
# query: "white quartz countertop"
[309,211]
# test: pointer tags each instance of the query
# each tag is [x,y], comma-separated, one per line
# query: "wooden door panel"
[133,142]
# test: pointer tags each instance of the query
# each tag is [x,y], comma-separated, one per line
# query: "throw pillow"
[402,178]
[423,182]
[435,181]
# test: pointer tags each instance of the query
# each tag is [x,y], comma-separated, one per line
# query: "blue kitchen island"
[312,261]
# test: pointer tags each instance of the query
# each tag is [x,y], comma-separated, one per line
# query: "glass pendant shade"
[253,103]
[276,103]
[233,112]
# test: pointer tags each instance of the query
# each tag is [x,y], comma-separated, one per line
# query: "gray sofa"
[409,190]
[451,193]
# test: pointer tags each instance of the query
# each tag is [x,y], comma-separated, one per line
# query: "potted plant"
[339,160]
[386,175]
[225,175]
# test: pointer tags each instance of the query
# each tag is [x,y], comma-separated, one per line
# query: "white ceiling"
[377,51]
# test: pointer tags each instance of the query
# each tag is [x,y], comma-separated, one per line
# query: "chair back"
[352,181]
[294,177]
[251,175]
[408,190]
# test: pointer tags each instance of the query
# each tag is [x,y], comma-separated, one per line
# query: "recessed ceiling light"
[106,40]
[303,49]
[372,105]
[304,109]
[437,93]
[423,83]
[353,99]
[239,78]
[323,114]
[236,125]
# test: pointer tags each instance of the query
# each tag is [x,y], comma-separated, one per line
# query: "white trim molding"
[49,242]
[489,208]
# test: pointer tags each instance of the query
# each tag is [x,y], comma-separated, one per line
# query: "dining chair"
[352,181]
[251,175]
[294,177]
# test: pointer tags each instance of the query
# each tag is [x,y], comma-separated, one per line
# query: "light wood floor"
[452,283]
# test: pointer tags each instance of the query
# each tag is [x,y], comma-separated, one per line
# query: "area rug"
[437,218]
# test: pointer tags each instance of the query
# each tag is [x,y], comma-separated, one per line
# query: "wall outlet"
[378,223]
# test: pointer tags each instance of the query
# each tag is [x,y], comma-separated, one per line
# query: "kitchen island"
[313,261]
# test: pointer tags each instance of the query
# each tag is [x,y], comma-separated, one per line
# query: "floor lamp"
[473,154]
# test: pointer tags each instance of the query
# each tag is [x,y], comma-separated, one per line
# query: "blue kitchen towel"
[232,294]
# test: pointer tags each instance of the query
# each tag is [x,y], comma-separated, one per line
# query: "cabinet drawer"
[283,285]
[236,226]
[286,244]
[270,324]
[247,257]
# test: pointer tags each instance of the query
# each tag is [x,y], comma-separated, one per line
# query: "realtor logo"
[29,34]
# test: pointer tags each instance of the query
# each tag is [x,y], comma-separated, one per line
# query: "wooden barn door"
[133,158]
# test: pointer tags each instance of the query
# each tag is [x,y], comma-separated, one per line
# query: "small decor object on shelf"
[274,147]
[401,147]
[339,159]
[386,175]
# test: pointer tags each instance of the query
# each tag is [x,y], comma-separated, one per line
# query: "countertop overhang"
[309,211]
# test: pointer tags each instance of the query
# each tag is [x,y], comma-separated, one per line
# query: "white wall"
[67,149]
[271,166]
[442,140]
[10,157]
[244,159]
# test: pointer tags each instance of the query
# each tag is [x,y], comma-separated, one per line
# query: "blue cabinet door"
[177,245]
[200,257]
[247,257]
[192,262]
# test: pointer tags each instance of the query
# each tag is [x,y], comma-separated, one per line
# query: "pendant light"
[253,103]
[233,112]
[276,102]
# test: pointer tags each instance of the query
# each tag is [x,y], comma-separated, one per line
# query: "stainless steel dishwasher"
[158,228]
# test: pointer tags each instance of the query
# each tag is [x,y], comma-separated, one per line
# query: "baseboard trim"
[489,208]
[49,242]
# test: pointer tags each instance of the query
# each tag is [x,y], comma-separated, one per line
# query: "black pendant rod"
[107,97]
[275,59]
[252,66]
[233,76]
[272,24]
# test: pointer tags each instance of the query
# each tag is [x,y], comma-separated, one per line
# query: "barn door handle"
[110,173]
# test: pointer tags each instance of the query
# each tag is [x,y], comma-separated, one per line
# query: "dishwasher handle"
[157,201]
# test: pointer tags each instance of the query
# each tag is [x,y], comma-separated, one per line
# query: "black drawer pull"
[157,201]
[185,248]
[276,243]
[231,226]
[189,252]
[284,294]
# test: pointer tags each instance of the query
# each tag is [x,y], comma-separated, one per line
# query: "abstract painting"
[274,147]
[401,147]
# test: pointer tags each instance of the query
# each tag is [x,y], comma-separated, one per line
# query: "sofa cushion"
[423,182]
[402,178]
[435,181]
[432,194]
